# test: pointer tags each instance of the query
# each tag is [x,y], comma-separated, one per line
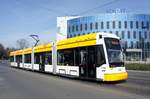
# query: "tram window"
[66,57]
[37,58]
[60,58]
[100,55]
[11,59]
[48,58]
[19,58]
[27,58]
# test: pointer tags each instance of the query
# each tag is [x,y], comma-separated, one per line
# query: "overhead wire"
[100,6]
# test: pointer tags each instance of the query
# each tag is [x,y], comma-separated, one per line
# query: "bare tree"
[22,43]
[1,51]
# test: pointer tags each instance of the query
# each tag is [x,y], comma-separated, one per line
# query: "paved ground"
[20,84]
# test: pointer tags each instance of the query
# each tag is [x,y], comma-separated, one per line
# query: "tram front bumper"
[116,76]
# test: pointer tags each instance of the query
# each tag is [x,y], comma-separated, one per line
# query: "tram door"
[18,59]
[83,56]
[42,62]
[92,62]
[87,66]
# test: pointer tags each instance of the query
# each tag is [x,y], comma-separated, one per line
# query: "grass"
[136,66]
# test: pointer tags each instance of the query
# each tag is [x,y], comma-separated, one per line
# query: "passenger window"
[48,58]
[66,57]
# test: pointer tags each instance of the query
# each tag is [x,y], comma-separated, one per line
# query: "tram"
[96,56]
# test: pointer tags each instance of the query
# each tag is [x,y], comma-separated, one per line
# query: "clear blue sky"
[20,18]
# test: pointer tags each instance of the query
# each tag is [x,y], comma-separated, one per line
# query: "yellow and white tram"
[93,56]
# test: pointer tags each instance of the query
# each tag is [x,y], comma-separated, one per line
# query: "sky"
[21,18]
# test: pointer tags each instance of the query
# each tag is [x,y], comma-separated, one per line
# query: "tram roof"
[79,41]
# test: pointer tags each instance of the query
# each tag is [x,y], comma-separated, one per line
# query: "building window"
[122,34]
[134,34]
[102,25]
[76,27]
[117,33]
[70,35]
[149,35]
[119,24]
[140,35]
[72,28]
[131,45]
[125,24]
[91,26]
[137,24]
[80,27]
[145,34]
[74,35]
[142,24]
[110,31]
[147,25]
[114,25]
[143,44]
[126,44]
[137,44]
[128,34]
[69,29]
[107,24]
[131,24]
[85,26]
[148,45]
[96,25]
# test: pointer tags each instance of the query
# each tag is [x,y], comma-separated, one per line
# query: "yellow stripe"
[19,52]
[43,48]
[12,54]
[80,41]
[28,51]
[116,76]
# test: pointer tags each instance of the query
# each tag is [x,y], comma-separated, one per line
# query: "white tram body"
[93,56]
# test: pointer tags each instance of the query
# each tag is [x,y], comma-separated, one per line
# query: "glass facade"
[133,29]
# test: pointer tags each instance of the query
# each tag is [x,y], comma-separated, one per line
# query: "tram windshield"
[114,51]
